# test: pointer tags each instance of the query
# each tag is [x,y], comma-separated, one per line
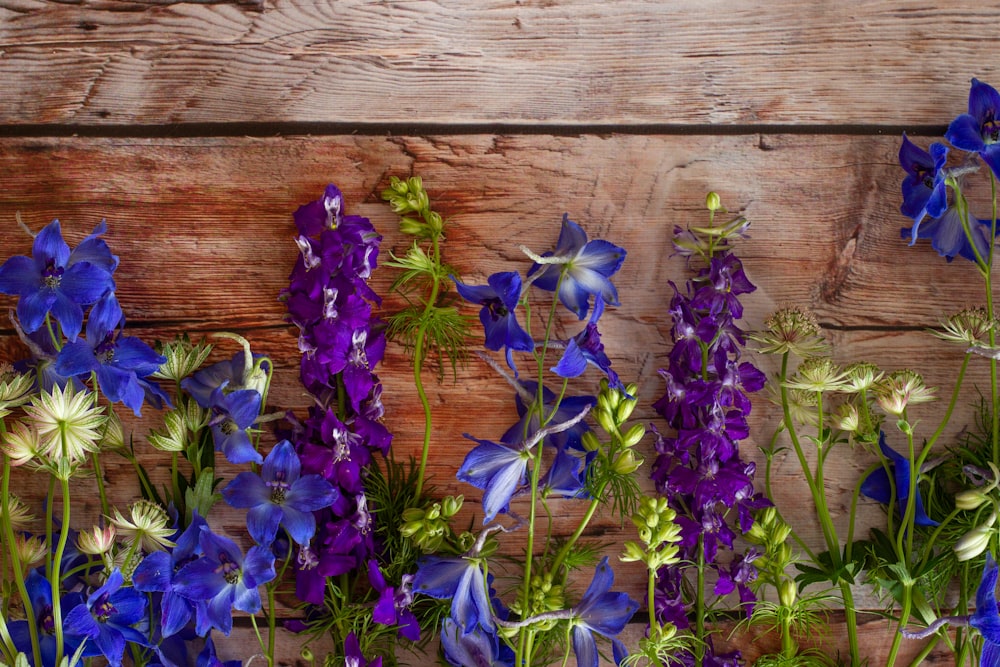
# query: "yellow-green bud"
[435,222]
[590,442]
[411,226]
[626,463]
[605,419]
[713,202]
[306,654]
[451,505]
[625,409]
[973,543]
[970,499]
[633,553]
[634,435]
[787,593]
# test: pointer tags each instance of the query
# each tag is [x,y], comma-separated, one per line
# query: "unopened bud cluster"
[409,197]
[613,409]
[428,526]
[770,532]
[655,521]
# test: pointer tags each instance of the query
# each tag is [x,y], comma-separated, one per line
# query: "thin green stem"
[926,651]
[699,633]
[99,476]
[904,617]
[988,285]
[418,367]
[55,579]
[17,568]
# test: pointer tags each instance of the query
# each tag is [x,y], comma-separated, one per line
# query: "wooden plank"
[460,62]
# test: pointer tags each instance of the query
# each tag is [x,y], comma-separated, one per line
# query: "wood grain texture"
[520,62]
[203,228]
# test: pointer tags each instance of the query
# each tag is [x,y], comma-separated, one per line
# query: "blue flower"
[40,593]
[107,617]
[600,611]
[155,574]
[568,408]
[56,280]
[462,581]
[208,658]
[280,496]
[222,579]
[949,239]
[120,362]
[924,191]
[585,268]
[497,469]
[231,373]
[232,414]
[986,618]
[877,486]
[477,647]
[979,130]
[586,348]
[499,299]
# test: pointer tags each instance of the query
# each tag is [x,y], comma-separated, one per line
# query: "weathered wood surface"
[522,62]
[204,231]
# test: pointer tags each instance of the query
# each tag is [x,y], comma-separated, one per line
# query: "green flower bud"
[634,435]
[970,499]
[713,202]
[973,543]
[625,409]
[411,226]
[633,553]
[590,442]
[787,593]
[605,419]
[451,505]
[626,463]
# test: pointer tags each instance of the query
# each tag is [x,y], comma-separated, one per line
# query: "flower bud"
[973,543]
[451,505]
[113,437]
[787,593]
[846,418]
[411,226]
[625,409]
[590,442]
[634,435]
[97,541]
[18,513]
[901,388]
[713,202]
[970,499]
[626,463]
[20,444]
[633,553]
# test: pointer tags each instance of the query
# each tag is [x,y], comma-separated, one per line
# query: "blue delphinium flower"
[107,617]
[40,593]
[234,374]
[924,190]
[155,574]
[462,581]
[208,658]
[59,281]
[877,487]
[568,408]
[949,239]
[499,299]
[232,414]
[600,611]
[120,362]
[222,579]
[586,348]
[585,268]
[497,469]
[477,647]
[280,495]
[979,130]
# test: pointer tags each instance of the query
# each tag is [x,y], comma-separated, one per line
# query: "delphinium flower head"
[579,269]
[585,349]
[233,414]
[57,280]
[40,598]
[393,604]
[602,612]
[280,496]
[877,485]
[121,363]
[978,131]
[499,299]
[461,580]
[949,236]
[924,189]
[106,619]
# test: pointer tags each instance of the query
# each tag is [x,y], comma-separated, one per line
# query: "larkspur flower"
[579,269]
[924,190]
[223,580]
[353,656]
[499,299]
[462,581]
[107,619]
[280,495]
[392,606]
[230,375]
[40,594]
[978,131]
[586,348]
[600,611]
[478,647]
[121,363]
[232,414]
[949,238]
[499,470]
[209,658]
[528,424]
[58,281]
[877,485]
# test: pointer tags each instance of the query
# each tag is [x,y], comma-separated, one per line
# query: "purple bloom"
[462,581]
[40,593]
[107,617]
[222,580]
[924,190]
[155,574]
[56,280]
[499,299]
[601,612]
[586,271]
[280,495]
[497,469]
[478,647]
[120,362]
[392,607]
[986,618]
[877,486]
[979,130]
[586,348]
[232,414]
[353,656]
[737,577]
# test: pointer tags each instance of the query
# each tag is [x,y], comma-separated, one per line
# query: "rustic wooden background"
[196,128]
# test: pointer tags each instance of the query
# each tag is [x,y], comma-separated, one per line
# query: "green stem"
[55,579]
[926,651]
[699,634]
[595,502]
[988,280]
[99,476]
[651,601]
[15,557]
[904,617]
[418,367]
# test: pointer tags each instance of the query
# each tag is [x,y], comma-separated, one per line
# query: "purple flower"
[40,593]
[56,280]
[222,580]
[497,469]
[737,577]
[478,647]
[121,363]
[979,130]
[208,658]
[107,617]
[924,190]
[155,574]
[877,486]
[986,618]
[601,612]
[353,656]
[499,299]
[393,607]
[462,581]
[230,374]
[586,348]
[280,495]
[585,270]
[232,414]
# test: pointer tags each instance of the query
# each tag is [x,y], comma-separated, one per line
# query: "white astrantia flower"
[20,444]
[69,424]
[149,525]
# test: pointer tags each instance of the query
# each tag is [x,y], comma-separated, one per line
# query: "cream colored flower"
[970,326]
[862,376]
[791,330]
[18,514]
[97,541]
[68,423]
[818,374]
[15,388]
[901,388]
[20,444]
[149,525]
[30,550]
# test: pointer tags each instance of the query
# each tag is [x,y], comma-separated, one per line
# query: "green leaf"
[201,496]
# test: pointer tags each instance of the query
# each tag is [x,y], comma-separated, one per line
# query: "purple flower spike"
[55,280]
[587,271]
[280,496]
[979,130]
[601,612]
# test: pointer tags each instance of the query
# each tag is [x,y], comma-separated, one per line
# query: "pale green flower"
[970,326]
[149,525]
[183,359]
[900,389]
[97,541]
[791,330]
[20,444]
[69,424]
[15,388]
[818,374]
